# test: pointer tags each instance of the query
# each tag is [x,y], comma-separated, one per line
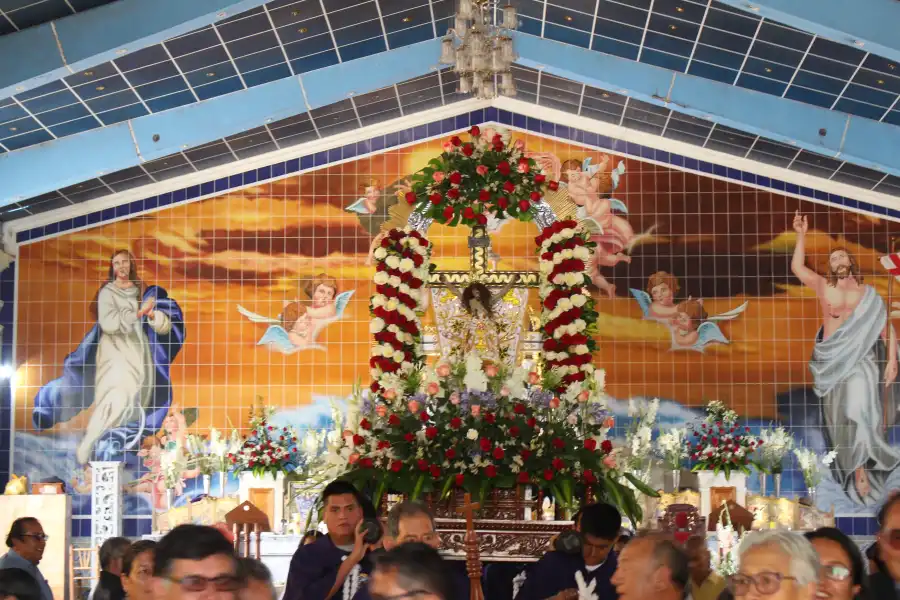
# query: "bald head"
[652,565]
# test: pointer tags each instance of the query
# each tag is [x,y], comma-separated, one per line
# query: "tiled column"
[106,501]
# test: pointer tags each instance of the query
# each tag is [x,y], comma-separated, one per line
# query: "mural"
[132,333]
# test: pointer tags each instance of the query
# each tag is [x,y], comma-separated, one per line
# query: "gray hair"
[803,558]
[407,508]
[112,549]
[252,569]
[668,553]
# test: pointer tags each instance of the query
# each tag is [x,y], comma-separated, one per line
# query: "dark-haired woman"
[843,572]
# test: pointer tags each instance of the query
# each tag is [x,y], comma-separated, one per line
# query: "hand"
[403,187]
[566,595]
[801,224]
[359,545]
[890,372]
[147,307]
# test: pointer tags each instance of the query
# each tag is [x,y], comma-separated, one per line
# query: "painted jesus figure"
[854,359]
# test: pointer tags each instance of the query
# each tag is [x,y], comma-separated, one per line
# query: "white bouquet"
[671,446]
[810,465]
[639,437]
[775,445]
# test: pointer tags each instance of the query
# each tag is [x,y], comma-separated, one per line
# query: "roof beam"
[39,55]
[855,139]
[869,24]
[75,158]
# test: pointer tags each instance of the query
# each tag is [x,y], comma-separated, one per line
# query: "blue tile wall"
[7,296]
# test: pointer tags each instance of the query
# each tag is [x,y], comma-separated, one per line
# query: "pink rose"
[353,458]
[443,370]
[504,391]
[390,394]
[347,434]
[481,170]
[438,176]
[381,410]
[476,410]
[433,388]
[583,396]
[554,402]
[454,398]
[533,378]
[519,145]
[413,406]
[447,147]
[609,461]
[523,168]
[491,370]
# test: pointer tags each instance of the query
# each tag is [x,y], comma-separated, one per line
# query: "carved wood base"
[500,540]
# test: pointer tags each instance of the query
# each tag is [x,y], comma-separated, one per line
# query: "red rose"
[490,471]
[468,149]
[411,197]
[448,213]
[497,139]
[460,479]
[455,140]
[435,198]
[558,464]
[484,195]
[559,444]
[422,464]
[431,432]
[590,444]
[475,131]
[532,422]
[519,408]
[435,471]
[535,196]
[553,185]
[540,178]
[450,454]
[384,444]
[509,187]
[499,453]
[364,424]
[455,178]
[503,168]
[482,220]
[358,440]
[589,476]
[385,242]
[525,453]
[606,446]
[396,465]
[524,205]
[490,418]
[485,444]
[548,475]
[393,420]
[502,202]
[423,416]
[523,477]
[453,193]
[455,423]
[514,431]
[468,213]
[409,438]
[366,463]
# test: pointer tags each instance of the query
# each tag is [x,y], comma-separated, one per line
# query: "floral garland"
[483,177]
[568,314]
[403,262]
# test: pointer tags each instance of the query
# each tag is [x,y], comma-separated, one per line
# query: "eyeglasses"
[765,583]
[835,572]
[198,583]
[41,537]
[405,596]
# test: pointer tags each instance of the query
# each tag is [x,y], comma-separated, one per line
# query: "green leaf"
[445,491]
[418,489]
[379,492]
[190,415]
[641,486]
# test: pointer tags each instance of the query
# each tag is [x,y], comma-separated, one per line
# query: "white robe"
[123,384]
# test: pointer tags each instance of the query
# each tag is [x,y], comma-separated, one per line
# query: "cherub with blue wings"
[298,325]
[693,329]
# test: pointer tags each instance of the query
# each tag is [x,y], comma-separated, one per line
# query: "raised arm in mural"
[855,351]
[121,369]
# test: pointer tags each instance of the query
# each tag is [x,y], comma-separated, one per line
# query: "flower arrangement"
[267,449]
[810,464]
[728,542]
[774,445]
[568,315]
[172,464]
[473,179]
[671,446]
[402,264]
[478,427]
[720,444]
[639,437]
[210,454]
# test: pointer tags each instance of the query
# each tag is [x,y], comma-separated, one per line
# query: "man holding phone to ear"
[336,565]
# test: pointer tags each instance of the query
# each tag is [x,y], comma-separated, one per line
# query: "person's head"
[651,565]
[257,580]
[343,511]
[698,558]
[689,315]
[663,287]
[27,538]
[16,584]
[477,296]
[599,527]
[310,537]
[569,168]
[889,532]
[194,562]
[842,265]
[413,571]
[843,574]
[123,267]
[410,522]
[137,570]
[624,538]
[776,565]
[112,551]
[322,290]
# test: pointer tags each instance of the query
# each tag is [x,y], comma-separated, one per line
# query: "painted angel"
[367,204]
[658,302]
[300,322]
[693,329]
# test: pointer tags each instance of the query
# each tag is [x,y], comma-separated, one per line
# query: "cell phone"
[372,531]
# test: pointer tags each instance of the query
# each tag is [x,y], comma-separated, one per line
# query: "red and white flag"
[891,262]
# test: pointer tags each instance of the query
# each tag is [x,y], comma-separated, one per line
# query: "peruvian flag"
[891,262]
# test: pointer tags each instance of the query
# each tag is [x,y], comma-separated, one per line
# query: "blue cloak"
[63,398]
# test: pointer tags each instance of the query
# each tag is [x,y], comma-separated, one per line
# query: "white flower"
[578,300]
[475,378]
[472,434]
[406,265]
[380,253]
[381,278]
[393,262]
[376,325]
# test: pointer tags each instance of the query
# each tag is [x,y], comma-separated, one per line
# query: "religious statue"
[477,330]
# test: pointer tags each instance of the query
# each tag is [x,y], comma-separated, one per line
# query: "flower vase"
[811,493]
[777,478]
[207,483]
[170,498]
[763,477]
[223,479]
[676,480]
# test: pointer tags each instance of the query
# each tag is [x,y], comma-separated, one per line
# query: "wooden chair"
[682,520]
[84,570]
[243,520]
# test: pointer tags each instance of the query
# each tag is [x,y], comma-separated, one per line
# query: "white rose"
[413,242]
[581,253]
[564,304]
[398,357]
[406,265]
[393,262]
[392,304]
[581,349]
[578,300]
[394,281]
[472,434]
[376,325]
[380,278]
